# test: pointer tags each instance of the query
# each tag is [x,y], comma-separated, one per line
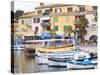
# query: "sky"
[25,6]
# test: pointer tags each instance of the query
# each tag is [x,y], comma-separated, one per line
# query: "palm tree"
[69,30]
[95,18]
[53,33]
[82,25]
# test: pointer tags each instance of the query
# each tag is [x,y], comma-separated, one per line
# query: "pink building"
[36,25]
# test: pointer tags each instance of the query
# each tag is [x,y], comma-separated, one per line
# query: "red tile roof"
[28,15]
[52,5]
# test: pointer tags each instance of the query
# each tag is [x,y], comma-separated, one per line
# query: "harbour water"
[27,63]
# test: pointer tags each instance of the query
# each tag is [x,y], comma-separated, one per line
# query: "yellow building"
[61,15]
[58,17]
[21,30]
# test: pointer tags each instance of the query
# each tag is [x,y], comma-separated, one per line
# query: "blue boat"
[85,64]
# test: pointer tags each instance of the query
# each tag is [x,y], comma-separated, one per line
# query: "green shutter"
[65,28]
[56,28]
[56,19]
[68,28]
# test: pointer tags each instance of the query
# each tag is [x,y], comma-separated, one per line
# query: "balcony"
[45,23]
[47,12]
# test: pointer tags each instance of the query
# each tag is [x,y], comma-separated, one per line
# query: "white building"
[92,27]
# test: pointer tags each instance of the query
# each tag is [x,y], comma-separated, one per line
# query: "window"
[39,11]
[22,21]
[65,28]
[70,9]
[55,10]
[48,28]
[47,12]
[94,7]
[77,18]
[56,28]
[82,9]
[36,29]
[56,19]
[58,10]
[94,27]
[36,20]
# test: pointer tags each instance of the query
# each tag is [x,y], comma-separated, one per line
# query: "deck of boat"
[63,48]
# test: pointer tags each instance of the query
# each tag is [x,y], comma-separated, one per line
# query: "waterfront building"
[92,28]
[60,18]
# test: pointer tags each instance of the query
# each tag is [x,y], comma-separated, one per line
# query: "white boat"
[42,58]
[61,54]
[86,64]
[81,55]
[57,63]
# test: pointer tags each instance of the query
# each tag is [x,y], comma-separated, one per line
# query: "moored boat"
[85,64]
[42,59]
[57,62]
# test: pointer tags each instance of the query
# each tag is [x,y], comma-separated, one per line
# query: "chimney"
[41,4]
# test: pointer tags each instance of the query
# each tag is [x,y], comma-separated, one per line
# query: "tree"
[95,18]
[70,30]
[53,34]
[18,13]
[82,25]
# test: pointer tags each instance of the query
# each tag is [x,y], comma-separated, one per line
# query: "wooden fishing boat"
[85,64]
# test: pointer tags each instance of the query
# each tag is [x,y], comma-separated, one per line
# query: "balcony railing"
[45,23]
[47,12]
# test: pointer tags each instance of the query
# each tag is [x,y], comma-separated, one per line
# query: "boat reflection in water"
[29,64]
[24,63]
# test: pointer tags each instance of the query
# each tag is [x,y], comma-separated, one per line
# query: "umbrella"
[45,36]
[58,36]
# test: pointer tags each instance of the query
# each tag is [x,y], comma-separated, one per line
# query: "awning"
[49,36]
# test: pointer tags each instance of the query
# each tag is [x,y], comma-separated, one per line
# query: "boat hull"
[42,60]
[78,66]
[57,63]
